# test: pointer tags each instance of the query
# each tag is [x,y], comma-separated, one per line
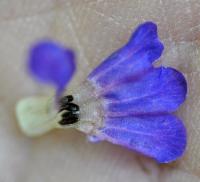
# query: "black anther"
[71,114]
[69,118]
[66,99]
[69,107]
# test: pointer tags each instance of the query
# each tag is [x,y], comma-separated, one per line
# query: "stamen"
[71,110]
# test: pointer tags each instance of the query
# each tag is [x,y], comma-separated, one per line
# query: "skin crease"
[94,29]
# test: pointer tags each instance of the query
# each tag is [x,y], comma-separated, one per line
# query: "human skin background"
[95,29]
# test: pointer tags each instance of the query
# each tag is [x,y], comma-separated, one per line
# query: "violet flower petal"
[161,90]
[162,137]
[52,64]
[134,58]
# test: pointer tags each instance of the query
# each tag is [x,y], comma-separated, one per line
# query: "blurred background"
[94,28]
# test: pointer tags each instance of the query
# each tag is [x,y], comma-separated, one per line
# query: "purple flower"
[138,98]
[52,64]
